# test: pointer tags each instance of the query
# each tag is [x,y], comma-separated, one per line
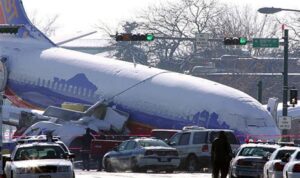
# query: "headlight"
[63,169]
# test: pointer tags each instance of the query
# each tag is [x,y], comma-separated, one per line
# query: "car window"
[281,153]
[230,137]
[148,143]
[255,151]
[199,137]
[162,134]
[130,145]
[297,156]
[39,152]
[122,146]
[175,139]
[184,139]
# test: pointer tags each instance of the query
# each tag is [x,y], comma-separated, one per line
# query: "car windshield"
[39,152]
[282,153]
[255,151]
[146,143]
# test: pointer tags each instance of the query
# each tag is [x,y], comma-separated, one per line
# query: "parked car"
[274,167]
[39,159]
[250,160]
[141,154]
[194,146]
[292,168]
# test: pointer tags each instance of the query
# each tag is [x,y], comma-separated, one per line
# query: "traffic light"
[235,41]
[134,37]
[293,96]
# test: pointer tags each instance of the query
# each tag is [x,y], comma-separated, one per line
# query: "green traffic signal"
[235,41]
[243,41]
[149,37]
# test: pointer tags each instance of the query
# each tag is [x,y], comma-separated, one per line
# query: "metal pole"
[285,81]
[259,92]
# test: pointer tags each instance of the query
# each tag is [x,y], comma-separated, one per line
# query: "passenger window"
[184,139]
[130,146]
[199,137]
[175,139]
[122,146]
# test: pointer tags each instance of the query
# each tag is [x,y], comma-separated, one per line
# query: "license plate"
[164,159]
[45,176]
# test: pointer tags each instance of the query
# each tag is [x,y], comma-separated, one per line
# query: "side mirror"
[115,149]
[172,143]
[71,155]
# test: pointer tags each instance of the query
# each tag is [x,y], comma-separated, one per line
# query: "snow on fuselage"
[156,98]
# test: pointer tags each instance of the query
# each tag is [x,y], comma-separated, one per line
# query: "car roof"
[288,148]
[259,145]
[207,130]
[38,144]
[147,139]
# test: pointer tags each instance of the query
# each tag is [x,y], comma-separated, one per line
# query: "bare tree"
[179,20]
[244,22]
[47,25]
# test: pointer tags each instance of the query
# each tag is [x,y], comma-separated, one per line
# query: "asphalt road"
[95,174]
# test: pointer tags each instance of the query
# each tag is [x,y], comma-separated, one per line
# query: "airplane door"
[3,75]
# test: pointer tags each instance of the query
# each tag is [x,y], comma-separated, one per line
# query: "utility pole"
[285,81]
[259,91]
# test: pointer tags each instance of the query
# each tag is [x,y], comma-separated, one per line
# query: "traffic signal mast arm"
[134,37]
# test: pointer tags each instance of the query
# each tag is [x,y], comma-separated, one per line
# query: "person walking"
[86,149]
[221,155]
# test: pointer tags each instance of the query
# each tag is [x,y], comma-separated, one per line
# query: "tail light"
[278,167]
[149,152]
[205,148]
[296,168]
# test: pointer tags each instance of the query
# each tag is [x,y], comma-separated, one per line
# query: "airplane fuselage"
[43,75]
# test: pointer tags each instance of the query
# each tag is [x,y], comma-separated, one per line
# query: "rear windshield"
[282,153]
[255,151]
[230,137]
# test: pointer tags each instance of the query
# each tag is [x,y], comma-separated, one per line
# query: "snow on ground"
[95,174]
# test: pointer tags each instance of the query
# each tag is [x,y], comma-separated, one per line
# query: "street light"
[273,10]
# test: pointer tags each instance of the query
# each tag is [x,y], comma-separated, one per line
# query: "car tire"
[107,166]
[170,171]
[192,164]
[135,167]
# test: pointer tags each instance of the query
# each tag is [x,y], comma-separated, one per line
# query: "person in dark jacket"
[221,155]
[86,149]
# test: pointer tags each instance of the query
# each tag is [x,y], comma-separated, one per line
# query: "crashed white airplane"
[36,73]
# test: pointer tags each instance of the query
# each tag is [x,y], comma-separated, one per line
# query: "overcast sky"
[82,15]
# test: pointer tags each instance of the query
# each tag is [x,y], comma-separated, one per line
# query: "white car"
[292,168]
[39,160]
[250,160]
[274,167]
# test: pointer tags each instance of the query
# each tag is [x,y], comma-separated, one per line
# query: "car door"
[181,143]
[128,154]
[117,155]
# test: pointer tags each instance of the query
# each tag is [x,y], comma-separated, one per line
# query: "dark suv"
[194,146]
